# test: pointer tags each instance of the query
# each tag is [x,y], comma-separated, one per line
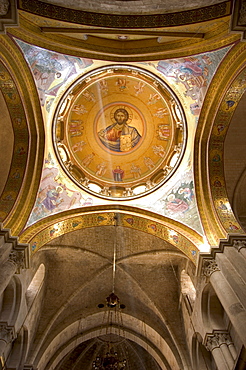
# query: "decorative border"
[182,237]
[126,21]
[28,105]
[216,153]
[21,147]
[113,51]
[221,100]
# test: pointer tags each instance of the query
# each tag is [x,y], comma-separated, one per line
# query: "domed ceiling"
[90,160]
[119,131]
[115,206]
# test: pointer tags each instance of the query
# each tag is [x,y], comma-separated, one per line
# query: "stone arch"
[20,95]
[67,339]
[42,232]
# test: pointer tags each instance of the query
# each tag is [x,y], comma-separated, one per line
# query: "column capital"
[211,342]
[239,243]
[233,240]
[209,266]
[19,254]
[216,339]
[224,338]
[7,333]
[18,258]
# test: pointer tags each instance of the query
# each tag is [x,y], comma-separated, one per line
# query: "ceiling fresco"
[155,98]
[119,132]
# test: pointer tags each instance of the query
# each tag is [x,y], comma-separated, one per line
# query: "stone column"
[218,343]
[233,351]
[5,249]
[8,269]
[229,300]
[234,272]
[212,345]
[224,339]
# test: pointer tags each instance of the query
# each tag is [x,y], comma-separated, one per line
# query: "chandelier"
[110,360]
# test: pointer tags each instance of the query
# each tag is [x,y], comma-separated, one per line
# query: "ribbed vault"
[147,282]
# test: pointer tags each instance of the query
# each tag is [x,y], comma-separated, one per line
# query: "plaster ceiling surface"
[133,6]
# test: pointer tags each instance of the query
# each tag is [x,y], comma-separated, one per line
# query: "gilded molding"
[20,153]
[30,133]
[126,21]
[42,232]
[130,51]
[212,217]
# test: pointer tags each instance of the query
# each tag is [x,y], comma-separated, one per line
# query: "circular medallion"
[119,132]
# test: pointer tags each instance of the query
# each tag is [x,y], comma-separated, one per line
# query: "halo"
[126,107]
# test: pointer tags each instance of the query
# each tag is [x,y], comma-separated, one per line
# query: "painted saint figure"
[53,198]
[120,137]
[118,174]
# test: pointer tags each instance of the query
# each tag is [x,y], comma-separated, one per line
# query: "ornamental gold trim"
[180,236]
[130,51]
[119,132]
[28,119]
[210,188]
[126,21]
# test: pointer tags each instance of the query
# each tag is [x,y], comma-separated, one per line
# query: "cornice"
[104,48]
[232,241]
[125,21]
